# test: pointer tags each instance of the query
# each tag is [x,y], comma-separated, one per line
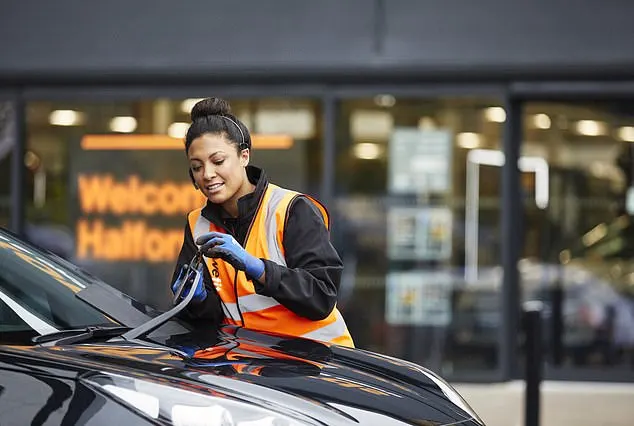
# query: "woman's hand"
[200,293]
[225,247]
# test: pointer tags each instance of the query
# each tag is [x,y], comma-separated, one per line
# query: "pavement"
[562,403]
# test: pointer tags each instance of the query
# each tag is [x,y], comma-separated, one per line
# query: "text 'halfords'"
[132,241]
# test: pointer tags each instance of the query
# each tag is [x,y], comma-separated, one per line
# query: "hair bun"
[210,106]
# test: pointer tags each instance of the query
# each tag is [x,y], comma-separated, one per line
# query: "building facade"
[474,156]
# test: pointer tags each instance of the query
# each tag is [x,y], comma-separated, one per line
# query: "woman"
[269,262]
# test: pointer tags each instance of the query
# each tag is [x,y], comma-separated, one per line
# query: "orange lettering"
[118,199]
[94,192]
[112,244]
[137,231]
[171,201]
[153,246]
[173,243]
[89,239]
[149,199]
[134,184]
[102,194]
[132,241]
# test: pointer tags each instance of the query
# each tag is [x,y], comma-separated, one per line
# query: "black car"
[74,350]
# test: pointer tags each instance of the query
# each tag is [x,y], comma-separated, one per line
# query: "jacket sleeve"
[209,309]
[309,283]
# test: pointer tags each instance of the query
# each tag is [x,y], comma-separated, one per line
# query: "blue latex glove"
[187,349]
[225,247]
[200,292]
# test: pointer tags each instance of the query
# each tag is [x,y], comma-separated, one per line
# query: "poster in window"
[419,161]
[419,297]
[419,233]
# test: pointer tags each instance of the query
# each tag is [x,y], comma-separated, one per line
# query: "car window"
[37,286]
[13,329]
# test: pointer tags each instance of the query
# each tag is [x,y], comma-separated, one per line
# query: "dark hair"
[213,115]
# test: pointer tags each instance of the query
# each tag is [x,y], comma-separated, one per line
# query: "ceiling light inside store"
[626,133]
[541,121]
[564,256]
[468,140]
[177,130]
[385,100]
[599,169]
[426,123]
[66,117]
[123,124]
[590,128]
[373,125]
[188,104]
[367,151]
[495,114]
[595,234]
[298,123]
[32,160]
[246,118]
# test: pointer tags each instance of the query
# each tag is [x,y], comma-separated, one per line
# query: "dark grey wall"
[201,39]
[519,36]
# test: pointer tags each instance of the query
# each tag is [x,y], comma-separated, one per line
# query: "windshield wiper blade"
[68,337]
[193,274]
[79,335]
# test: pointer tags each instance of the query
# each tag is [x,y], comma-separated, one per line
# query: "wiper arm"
[79,335]
[67,337]
[191,276]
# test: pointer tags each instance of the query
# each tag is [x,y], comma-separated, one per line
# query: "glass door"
[578,251]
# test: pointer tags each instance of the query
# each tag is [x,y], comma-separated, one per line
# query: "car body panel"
[290,370]
[37,391]
[298,378]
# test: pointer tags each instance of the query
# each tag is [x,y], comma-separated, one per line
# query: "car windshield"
[38,294]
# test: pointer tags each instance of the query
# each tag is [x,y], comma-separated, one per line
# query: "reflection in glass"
[402,183]
[42,289]
[578,252]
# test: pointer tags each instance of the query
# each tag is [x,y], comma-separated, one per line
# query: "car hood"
[334,384]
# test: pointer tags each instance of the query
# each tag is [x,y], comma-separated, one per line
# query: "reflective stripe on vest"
[265,241]
[270,223]
[326,333]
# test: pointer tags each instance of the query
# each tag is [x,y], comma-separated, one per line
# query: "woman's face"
[217,167]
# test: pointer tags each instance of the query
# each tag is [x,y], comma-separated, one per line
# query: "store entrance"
[578,251]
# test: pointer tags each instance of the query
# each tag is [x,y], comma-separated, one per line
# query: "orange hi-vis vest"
[241,304]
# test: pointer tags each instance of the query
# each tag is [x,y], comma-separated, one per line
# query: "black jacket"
[309,283]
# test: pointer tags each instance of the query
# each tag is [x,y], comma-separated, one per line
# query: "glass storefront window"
[577,250]
[107,184]
[417,211]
